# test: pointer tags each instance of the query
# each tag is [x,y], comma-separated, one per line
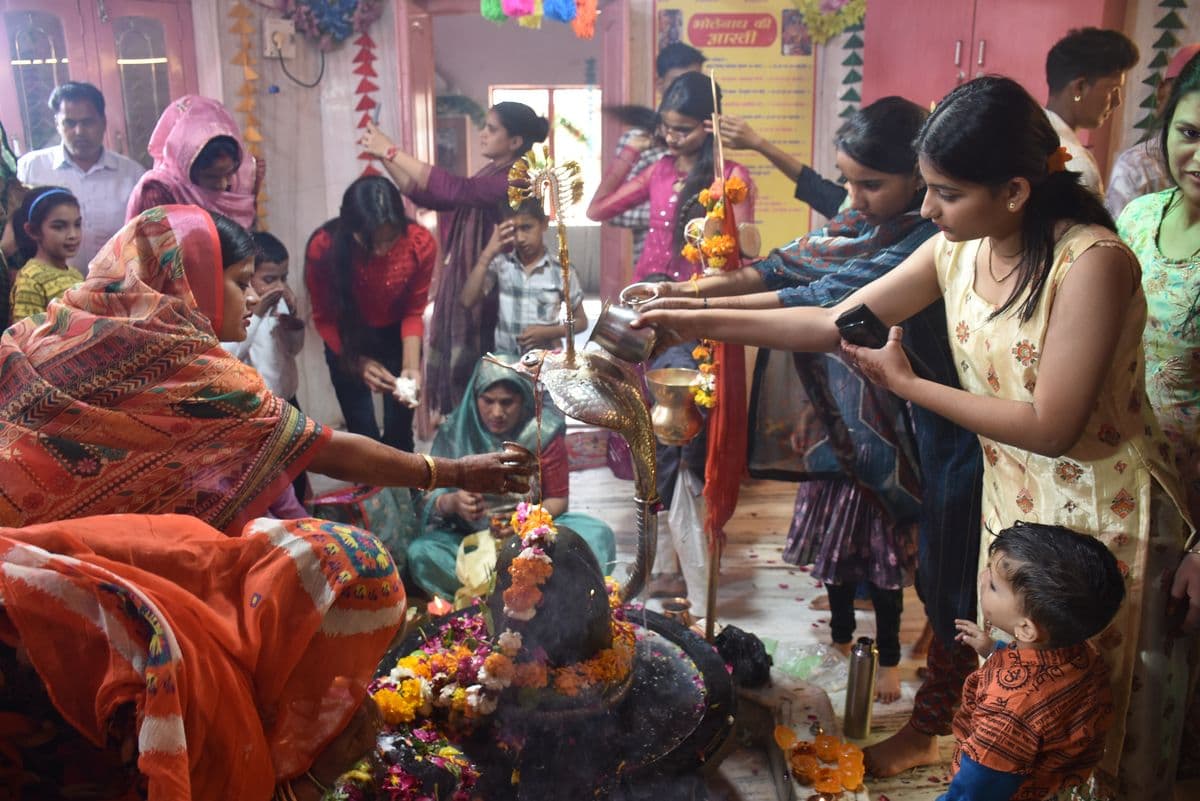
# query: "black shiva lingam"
[555,686]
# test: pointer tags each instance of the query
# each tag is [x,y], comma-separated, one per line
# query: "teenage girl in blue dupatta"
[499,407]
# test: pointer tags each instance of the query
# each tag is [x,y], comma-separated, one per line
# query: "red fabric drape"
[725,464]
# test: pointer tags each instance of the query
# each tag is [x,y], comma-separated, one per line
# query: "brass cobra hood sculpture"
[590,385]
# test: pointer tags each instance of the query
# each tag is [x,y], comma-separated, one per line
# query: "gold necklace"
[991,272]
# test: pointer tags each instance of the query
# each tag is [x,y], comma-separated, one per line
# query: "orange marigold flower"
[708,367]
[394,707]
[717,212]
[567,682]
[736,189]
[535,516]
[530,674]
[701,353]
[521,598]
[721,245]
[500,666]
[691,253]
[705,198]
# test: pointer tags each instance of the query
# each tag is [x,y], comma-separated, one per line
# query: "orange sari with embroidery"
[242,658]
[119,399]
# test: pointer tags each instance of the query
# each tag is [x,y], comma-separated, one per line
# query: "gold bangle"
[432,472]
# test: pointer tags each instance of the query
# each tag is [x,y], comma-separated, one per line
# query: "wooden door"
[917,49]
[1023,57]
[146,58]
[47,42]
[995,50]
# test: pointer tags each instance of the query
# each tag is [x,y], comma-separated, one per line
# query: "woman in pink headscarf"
[199,160]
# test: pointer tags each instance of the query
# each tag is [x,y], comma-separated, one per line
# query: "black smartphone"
[859,326]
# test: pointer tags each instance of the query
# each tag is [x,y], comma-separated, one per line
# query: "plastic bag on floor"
[687,539]
[817,663]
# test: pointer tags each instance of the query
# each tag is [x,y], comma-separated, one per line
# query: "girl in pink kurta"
[199,160]
[672,186]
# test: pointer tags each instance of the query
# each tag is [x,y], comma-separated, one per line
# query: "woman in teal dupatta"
[499,407]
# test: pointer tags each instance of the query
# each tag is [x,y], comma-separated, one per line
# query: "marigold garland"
[712,253]
[532,567]
[459,675]
[826,19]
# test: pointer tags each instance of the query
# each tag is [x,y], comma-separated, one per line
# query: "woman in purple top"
[459,336]
[673,184]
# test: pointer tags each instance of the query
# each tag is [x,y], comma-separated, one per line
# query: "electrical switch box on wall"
[279,38]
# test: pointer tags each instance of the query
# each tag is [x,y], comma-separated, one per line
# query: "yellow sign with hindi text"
[763,58]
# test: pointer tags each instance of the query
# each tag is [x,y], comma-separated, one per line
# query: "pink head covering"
[185,127]
[1178,61]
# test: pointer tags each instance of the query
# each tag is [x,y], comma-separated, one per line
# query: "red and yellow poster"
[764,63]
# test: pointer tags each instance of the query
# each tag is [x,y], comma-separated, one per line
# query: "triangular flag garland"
[853,80]
[245,29]
[1164,46]
[366,87]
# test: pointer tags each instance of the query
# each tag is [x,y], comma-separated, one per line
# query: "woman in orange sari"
[154,657]
[119,398]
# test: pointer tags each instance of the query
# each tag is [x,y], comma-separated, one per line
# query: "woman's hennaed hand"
[496,473]
[887,366]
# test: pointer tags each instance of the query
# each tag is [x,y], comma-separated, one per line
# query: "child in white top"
[276,335]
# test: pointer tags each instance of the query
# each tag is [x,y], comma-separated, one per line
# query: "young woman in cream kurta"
[1045,311]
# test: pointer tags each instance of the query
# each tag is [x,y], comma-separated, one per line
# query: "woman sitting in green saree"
[498,408]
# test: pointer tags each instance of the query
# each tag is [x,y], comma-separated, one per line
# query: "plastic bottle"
[860,689]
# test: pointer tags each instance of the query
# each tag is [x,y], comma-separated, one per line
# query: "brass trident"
[560,186]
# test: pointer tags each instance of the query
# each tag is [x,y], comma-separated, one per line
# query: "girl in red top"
[368,272]
[459,335]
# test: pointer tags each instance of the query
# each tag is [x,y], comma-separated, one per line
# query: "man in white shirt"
[1085,71]
[100,179]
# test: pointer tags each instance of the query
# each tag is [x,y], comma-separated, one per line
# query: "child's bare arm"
[970,634]
[475,286]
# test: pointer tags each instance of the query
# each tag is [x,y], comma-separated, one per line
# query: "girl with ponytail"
[368,272]
[458,335]
[1045,312]
[673,185]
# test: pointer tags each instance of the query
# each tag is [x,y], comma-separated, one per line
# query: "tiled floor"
[762,594]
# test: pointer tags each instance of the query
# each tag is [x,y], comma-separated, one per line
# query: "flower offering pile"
[410,764]
[548,688]
[458,676]
[827,763]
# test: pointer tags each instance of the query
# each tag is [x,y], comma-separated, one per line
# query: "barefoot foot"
[842,648]
[887,684]
[920,648]
[907,748]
